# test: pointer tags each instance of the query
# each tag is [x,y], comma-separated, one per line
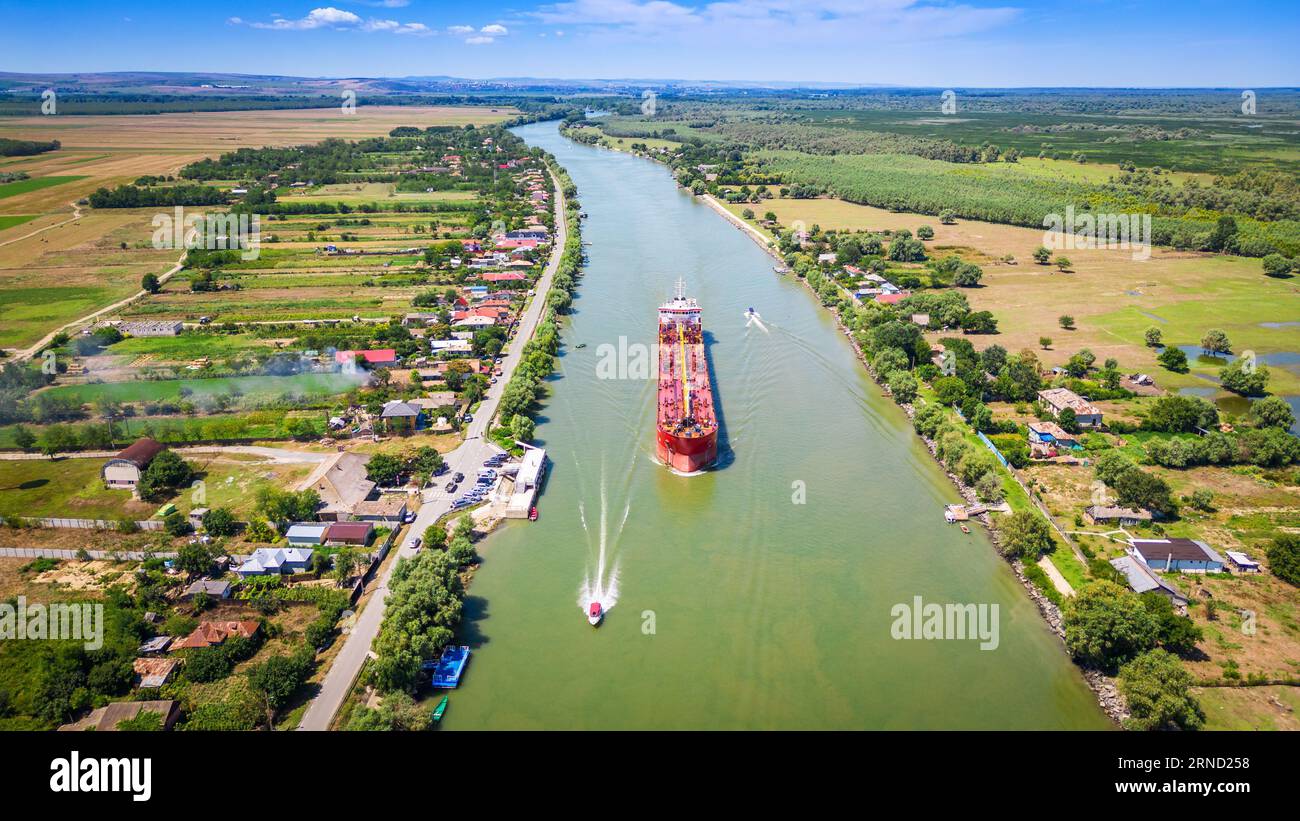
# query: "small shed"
[349,533]
[307,534]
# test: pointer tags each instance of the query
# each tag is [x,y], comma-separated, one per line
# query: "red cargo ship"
[686,432]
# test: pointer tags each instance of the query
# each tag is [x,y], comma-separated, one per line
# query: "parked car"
[414,544]
[459,477]
[468,418]
[450,487]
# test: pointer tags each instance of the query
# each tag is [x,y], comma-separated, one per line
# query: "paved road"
[467,459]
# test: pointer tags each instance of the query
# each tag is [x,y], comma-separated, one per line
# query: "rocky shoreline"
[1102,686]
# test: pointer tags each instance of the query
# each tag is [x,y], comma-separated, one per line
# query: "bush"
[1284,557]
[1025,535]
[1106,625]
[1156,687]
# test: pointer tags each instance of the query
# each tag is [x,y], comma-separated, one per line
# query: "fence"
[57,553]
[86,524]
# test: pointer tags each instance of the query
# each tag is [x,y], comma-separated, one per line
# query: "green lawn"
[66,487]
[27,313]
[13,189]
[309,384]
[11,220]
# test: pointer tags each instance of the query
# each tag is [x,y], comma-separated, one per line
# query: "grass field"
[11,220]
[13,189]
[102,256]
[1112,297]
[311,384]
[73,487]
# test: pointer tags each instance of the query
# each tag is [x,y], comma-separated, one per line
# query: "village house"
[341,483]
[1048,439]
[276,561]
[450,348]
[1056,400]
[400,417]
[154,672]
[349,533]
[210,587]
[123,471]
[210,633]
[106,719]
[1122,516]
[1141,579]
[305,534]
[1184,555]
[380,358]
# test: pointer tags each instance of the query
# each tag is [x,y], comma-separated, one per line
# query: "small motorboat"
[439,710]
[965,529]
[532,515]
[580,345]
[595,614]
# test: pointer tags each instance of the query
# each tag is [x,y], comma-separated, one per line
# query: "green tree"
[166,472]
[435,536]
[1066,321]
[1273,412]
[1157,689]
[1025,535]
[1284,557]
[384,468]
[150,283]
[1177,634]
[1153,337]
[1276,265]
[23,437]
[276,679]
[195,559]
[1174,359]
[522,428]
[1063,264]
[1042,255]
[1106,625]
[219,521]
[1244,378]
[1215,341]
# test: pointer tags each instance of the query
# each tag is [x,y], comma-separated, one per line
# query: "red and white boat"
[686,430]
[532,515]
[595,614]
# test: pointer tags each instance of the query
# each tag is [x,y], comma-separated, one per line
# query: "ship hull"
[687,455]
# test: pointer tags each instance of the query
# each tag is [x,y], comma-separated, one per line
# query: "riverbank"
[667,556]
[1102,686]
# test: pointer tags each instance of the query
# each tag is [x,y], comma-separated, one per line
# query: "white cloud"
[774,21]
[494,30]
[461,29]
[329,17]
[479,41]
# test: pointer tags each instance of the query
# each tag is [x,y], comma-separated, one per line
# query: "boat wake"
[752,317]
[601,582]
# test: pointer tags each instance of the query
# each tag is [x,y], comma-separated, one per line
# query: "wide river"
[757,595]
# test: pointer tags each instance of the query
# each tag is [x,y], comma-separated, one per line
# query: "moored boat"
[440,709]
[532,514]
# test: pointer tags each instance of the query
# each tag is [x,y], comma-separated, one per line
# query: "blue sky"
[965,43]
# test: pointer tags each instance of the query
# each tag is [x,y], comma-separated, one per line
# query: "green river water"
[736,608]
